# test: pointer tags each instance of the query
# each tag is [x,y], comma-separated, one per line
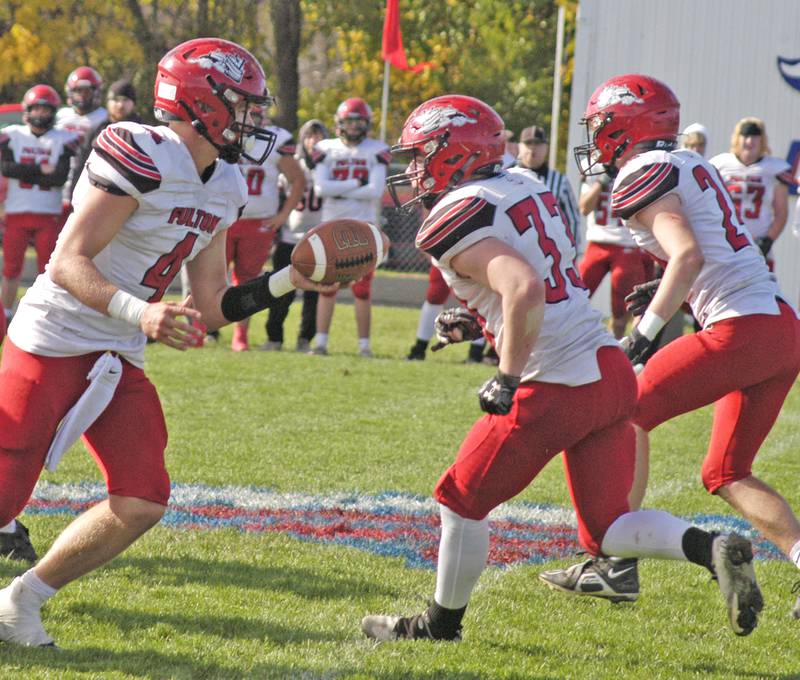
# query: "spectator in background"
[349,174]
[35,157]
[533,155]
[250,237]
[757,182]
[305,215]
[121,104]
[695,138]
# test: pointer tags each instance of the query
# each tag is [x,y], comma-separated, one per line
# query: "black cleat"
[732,559]
[386,628]
[17,546]
[416,353]
[615,579]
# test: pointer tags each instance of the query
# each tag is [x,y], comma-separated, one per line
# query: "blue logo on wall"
[790,70]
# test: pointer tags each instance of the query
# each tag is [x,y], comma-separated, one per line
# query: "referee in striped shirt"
[533,153]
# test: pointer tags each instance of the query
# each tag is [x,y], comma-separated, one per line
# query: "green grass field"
[226,604]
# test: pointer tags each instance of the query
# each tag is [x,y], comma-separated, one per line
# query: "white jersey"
[734,280]
[28,148]
[601,227]
[177,217]
[350,178]
[307,214]
[752,188]
[82,125]
[518,210]
[262,180]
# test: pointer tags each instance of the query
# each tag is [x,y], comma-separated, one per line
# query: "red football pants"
[747,365]
[625,264]
[501,455]
[247,246]
[127,441]
[20,229]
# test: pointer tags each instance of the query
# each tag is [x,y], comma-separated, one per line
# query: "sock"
[463,551]
[697,546]
[321,340]
[427,317]
[9,528]
[794,554]
[646,533]
[363,343]
[444,622]
[33,583]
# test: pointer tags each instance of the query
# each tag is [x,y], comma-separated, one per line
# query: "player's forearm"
[59,176]
[292,200]
[326,188]
[523,312]
[679,275]
[78,275]
[778,224]
[589,199]
[24,172]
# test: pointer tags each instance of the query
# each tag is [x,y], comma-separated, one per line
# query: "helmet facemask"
[593,159]
[40,122]
[422,183]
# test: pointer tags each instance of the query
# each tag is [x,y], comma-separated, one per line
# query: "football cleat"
[796,608]
[388,628]
[17,545]
[271,346]
[302,345]
[319,351]
[615,579]
[20,617]
[365,353]
[416,354]
[732,559]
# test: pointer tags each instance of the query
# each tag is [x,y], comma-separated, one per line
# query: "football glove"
[637,347]
[497,394]
[765,244]
[455,325]
[636,302]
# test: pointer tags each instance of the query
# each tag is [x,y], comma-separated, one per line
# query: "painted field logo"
[790,71]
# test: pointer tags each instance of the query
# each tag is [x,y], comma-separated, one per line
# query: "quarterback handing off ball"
[340,250]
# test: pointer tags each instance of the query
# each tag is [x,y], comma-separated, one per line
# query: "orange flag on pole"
[392,48]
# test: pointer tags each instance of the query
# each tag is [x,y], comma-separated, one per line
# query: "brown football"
[340,250]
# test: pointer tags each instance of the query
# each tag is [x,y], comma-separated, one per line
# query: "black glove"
[637,347]
[363,181]
[765,243]
[636,302]
[497,394]
[455,319]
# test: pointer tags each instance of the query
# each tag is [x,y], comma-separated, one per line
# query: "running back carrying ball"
[340,250]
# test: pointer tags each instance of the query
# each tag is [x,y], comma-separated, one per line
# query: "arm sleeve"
[10,168]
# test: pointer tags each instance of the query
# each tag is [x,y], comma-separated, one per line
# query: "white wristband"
[126,307]
[650,324]
[280,282]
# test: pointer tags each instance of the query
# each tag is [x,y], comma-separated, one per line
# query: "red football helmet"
[40,95]
[83,89]
[202,82]
[451,138]
[622,113]
[353,109]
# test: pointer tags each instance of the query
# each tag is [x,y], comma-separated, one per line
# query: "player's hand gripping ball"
[340,250]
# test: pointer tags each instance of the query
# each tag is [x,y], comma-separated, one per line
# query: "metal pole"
[555,112]
[385,100]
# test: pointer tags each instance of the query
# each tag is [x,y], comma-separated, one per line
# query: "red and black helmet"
[624,112]
[452,138]
[40,95]
[83,89]
[357,110]
[202,82]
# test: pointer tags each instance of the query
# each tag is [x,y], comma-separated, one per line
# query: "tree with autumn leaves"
[316,52]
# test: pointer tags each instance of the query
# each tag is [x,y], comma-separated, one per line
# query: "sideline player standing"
[746,357]
[149,198]
[349,176]
[757,182]
[562,383]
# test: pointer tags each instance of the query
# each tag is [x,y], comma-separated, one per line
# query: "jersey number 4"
[166,268]
[525,215]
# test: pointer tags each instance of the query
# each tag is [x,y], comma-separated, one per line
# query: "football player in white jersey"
[305,215]
[746,357]
[250,237]
[562,384]
[757,182]
[35,157]
[148,199]
[610,249]
[82,114]
[349,175]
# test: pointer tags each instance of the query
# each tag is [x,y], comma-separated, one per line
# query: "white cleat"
[732,559]
[379,627]
[20,617]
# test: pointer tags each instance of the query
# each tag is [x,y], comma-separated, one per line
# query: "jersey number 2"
[166,268]
[704,179]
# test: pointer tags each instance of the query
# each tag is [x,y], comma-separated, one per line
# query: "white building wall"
[720,58]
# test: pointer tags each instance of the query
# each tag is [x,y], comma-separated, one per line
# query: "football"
[340,250]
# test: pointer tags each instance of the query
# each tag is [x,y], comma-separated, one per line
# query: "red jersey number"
[255,181]
[705,181]
[166,268]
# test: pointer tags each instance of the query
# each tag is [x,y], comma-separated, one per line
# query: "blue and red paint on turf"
[387,524]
